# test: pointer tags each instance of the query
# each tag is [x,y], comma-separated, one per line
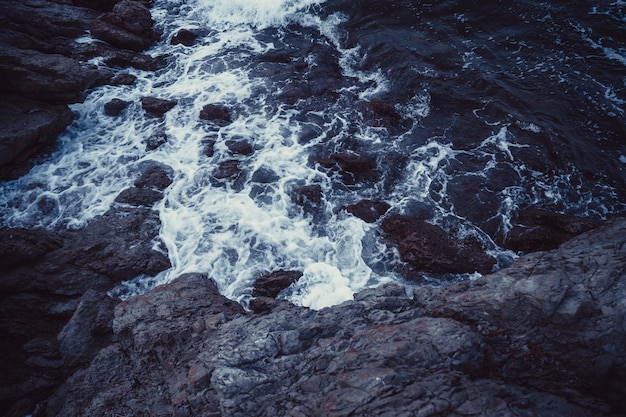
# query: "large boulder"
[128,26]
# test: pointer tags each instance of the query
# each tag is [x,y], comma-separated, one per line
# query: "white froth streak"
[227,233]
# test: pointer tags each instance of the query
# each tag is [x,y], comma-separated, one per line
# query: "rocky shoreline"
[545,336]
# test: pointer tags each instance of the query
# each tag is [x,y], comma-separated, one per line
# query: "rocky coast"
[543,336]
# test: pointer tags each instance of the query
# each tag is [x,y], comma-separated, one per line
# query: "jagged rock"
[208,148]
[28,128]
[42,283]
[216,113]
[544,337]
[227,169]
[156,106]
[184,37]
[368,210]
[128,25]
[19,246]
[89,330]
[426,247]
[50,78]
[115,107]
[536,230]
[554,319]
[270,285]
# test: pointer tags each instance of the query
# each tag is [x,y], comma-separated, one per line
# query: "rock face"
[43,68]
[46,278]
[544,337]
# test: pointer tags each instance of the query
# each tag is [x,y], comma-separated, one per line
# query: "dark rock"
[128,26]
[378,112]
[115,107]
[536,230]
[368,210]
[270,285]
[351,167]
[227,169]
[264,175]
[156,106]
[89,330]
[426,247]
[20,246]
[139,196]
[184,37]
[554,318]
[156,140]
[28,129]
[240,147]
[157,177]
[307,194]
[123,79]
[216,113]
[522,342]
[102,5]
[208,147]
[124,59]
[39,294]
[52,78]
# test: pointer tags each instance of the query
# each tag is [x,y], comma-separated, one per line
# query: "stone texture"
[544,337]
[128,26]
[426,247]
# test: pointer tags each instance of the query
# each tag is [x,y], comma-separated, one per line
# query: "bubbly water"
[238,229]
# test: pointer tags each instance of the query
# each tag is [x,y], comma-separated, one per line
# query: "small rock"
[123,79]
[216,113]
[368,210]
[155,141]
[227,169]
[270,285]
[115,107]
[307,194]
[240,147]
[184,37]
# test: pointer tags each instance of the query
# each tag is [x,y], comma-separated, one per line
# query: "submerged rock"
[426,247]
[368,210]
[184,37]
[270,285]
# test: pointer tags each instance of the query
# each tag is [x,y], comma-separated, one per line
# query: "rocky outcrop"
[43,69]
[46,277]
[544,337]
[127,26]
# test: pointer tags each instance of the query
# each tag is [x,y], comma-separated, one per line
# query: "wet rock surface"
[544,337]
[44,68]
[426,247]
[50,277]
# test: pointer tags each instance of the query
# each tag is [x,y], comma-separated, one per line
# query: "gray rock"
[544,337]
